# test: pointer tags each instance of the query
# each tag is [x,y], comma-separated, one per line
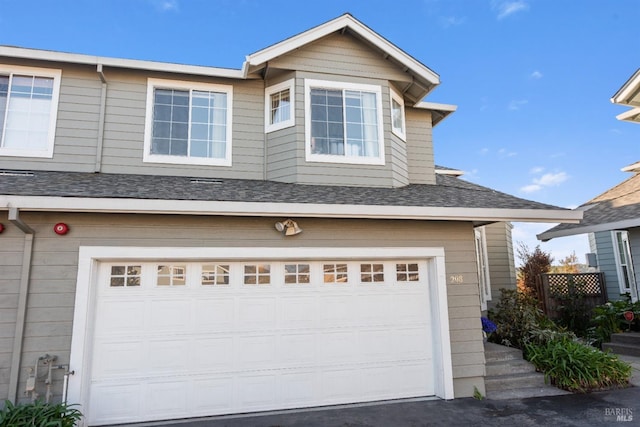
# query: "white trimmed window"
[482,260]
[28,110]
[188,123]
[343,122]
[397,115]
[624,264]
[279,100]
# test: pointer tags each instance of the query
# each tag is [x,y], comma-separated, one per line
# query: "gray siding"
[54,270]
[77,122]
[502,269]
[421,164]
[607,262]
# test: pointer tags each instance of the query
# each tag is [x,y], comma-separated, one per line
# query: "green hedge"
[577,367]
[39,414]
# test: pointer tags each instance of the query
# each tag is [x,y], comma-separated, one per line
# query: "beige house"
[185,241]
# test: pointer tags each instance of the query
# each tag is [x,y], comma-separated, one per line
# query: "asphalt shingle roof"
[620,203]
[447,192]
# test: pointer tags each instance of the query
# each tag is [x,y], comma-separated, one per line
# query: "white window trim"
[326,158]
[272,127]
[630,270]
[395,96]
[482,260]
[53,114]
[185,85]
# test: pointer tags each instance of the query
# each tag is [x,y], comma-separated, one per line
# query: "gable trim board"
[200,207]
[86,297]
[618,225]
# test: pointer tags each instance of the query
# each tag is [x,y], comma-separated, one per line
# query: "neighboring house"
[629,95]
[192,241]
[612,220]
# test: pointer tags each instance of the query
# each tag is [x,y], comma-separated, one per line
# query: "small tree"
[569,265]
[533,263]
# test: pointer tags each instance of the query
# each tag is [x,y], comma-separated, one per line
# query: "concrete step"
[506,367]
[498,353]
[514,381]
[525,392]
[632,338]
[619,348]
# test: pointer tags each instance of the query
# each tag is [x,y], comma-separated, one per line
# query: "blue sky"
[532,79]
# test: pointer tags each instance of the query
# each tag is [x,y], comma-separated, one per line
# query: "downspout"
[265,161]
[103,106]
[29,234]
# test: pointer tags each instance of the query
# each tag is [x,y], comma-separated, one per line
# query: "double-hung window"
[279,100]
[28,110]
[188,123]
[343,122]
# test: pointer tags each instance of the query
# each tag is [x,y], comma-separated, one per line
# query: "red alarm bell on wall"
[61,228]
[1,228]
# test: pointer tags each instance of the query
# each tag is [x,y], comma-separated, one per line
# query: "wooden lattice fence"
[553,288]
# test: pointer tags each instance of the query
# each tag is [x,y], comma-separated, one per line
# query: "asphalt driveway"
[609,408]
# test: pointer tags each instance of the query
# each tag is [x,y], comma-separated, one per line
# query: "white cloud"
[165,5]
[531,188]
[508,8]
[504,153]
[516,104]
[536,75]
[551,179]
[484,151]
[546,180]
[451,21]
[536,170]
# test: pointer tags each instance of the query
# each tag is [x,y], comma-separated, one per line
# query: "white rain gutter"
[103,106]
[27,252]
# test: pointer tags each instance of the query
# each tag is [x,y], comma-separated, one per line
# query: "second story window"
[397,115]
[28,110]
[188,123]
[343,122]
[279,101]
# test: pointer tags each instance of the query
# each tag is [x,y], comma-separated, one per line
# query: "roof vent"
[15,173]
[205,181]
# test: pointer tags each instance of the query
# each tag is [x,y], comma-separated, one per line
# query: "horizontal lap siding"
[53,281]
[607,262]
[420,146]
[502,270]
[76,127]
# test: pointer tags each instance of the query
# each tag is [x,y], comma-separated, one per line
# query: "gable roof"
[615,209]
[450,199]
[629,94]
[424,78]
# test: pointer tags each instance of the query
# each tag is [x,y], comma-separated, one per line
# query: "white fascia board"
[618,225]
[632,115]
[630,86]
[136,64]
[309,210]
[445,108]
[635,167]
[297,41]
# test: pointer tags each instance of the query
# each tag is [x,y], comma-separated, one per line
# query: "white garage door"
[187,339]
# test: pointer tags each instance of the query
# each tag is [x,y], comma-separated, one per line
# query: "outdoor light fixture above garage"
[289,227]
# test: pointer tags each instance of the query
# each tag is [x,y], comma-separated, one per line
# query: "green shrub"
[577,367]
[39,414]
[519,320]
[609,319]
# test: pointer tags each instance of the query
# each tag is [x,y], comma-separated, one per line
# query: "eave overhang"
[309,210]
[439,111]
[629,93]
[574,231]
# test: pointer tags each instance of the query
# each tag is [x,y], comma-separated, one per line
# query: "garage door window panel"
[257,274]
[297,274]
[215,275]
[372,273]
[125,275]
[335,273]
[407,272]
[172,275]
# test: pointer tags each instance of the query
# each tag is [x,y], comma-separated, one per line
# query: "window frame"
[344,86]
[56,75]
[482,264]
[624,267]
[153,84]
[395,96]
[272,90]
